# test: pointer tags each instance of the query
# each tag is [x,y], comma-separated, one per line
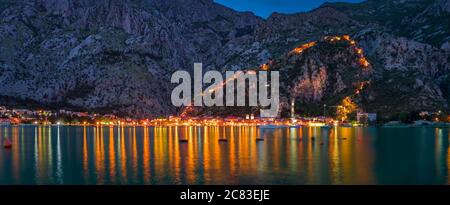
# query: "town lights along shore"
[214,94]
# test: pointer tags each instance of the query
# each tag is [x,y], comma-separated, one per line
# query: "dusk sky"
[264,8]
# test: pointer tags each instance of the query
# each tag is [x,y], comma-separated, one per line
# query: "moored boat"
[7,144]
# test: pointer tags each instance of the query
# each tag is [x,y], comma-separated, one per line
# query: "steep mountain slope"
[426,21]
[84,54]
[118,55]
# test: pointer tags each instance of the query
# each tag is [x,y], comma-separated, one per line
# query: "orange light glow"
[346,37]
[363,61]
[303,47]
[264,67]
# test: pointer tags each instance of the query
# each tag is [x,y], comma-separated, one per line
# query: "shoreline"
[262,126]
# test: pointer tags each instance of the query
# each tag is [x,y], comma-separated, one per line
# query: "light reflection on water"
[154,155]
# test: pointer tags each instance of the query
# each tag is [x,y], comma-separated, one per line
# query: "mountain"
[327,71]
[118,55]
[109,55]
[426,21]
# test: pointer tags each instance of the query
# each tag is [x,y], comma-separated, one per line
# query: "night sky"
[264,8]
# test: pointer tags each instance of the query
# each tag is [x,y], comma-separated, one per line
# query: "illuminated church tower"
[292,108]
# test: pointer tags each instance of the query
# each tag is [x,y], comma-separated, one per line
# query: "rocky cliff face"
[87,54]
[426,21]
[415,73]
[118,55]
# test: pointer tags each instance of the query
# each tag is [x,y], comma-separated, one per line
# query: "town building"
[366,118]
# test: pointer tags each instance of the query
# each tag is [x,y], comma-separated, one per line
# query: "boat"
[395,124]
[184,141]
[346,125]
[223,140]
[259,139]
[295,126]
[7,144]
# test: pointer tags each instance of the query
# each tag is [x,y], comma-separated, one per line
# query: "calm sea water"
[137,155]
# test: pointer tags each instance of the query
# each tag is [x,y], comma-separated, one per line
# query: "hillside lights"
[214,94]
